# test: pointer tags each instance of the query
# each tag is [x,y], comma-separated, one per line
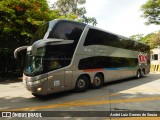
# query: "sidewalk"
[155,72]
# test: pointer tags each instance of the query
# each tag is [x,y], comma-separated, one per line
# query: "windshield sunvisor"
[44,42]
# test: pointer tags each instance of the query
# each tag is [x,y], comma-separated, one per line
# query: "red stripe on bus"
[93,70]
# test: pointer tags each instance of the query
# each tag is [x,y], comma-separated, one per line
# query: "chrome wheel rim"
[81,83]
[138,74]
[97,81]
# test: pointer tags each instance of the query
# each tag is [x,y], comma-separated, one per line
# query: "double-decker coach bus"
[65,55]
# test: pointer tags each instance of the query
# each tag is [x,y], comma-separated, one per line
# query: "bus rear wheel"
[143,73]
[97,81]
[139,74]
[82,84]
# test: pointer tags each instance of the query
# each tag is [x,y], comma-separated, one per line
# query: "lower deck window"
[106,62]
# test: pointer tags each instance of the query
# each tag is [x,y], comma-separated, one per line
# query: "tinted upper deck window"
[98,37]
[67,30]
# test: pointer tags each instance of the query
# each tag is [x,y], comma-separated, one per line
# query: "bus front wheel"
[82,84]
[38,96]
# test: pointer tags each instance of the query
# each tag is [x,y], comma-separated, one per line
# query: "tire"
[139,74]
[38,96]
[143,73]
[82,84]
[98,81]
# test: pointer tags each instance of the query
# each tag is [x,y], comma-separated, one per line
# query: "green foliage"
[136,37]
[146,39]
[66,7]
[152,39]
[20,19]
[73,10]
[151,11]
[155,40]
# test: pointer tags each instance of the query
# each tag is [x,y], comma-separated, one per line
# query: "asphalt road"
[124,95]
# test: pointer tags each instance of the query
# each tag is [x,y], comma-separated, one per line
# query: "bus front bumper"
[36,87]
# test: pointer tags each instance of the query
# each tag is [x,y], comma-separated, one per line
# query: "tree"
[19,19]
[68,8]
[152,39]
[136,37]
[155,40]
[146,39]
[151,11]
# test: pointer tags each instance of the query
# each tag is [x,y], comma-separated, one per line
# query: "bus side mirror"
[19,49]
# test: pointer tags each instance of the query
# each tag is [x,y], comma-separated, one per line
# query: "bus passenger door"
[68,79]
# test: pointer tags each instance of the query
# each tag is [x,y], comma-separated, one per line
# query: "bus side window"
[97,37]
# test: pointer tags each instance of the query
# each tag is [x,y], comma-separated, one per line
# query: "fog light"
[39,89]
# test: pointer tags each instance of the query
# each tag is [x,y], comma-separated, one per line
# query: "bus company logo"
[100,50]
[142,58]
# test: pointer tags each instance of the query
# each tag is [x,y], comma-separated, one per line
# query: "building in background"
[155,59]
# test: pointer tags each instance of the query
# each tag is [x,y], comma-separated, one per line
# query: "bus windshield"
[48,58]
[34,64]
